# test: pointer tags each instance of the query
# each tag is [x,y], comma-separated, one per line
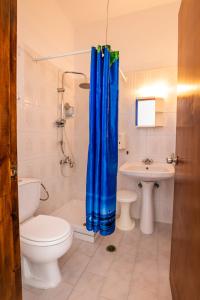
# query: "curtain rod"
[42,58]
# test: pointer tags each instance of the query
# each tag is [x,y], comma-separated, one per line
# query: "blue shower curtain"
[103,141]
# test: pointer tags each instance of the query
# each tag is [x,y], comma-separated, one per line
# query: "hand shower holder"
[60,123]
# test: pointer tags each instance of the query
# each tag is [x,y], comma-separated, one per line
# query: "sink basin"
[147,175]
[153,172]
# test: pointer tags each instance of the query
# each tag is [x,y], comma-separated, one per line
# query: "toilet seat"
[45,230]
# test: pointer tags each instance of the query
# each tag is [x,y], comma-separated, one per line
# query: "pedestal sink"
[148,176]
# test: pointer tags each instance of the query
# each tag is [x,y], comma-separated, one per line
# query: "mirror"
[149,112]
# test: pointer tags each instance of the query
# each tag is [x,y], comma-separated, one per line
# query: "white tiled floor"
[138,270]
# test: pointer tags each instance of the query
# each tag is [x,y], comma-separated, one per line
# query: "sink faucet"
[147,161]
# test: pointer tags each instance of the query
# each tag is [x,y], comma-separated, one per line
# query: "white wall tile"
[156,143]
[39,153]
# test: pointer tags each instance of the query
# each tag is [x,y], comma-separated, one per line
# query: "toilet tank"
[29,197]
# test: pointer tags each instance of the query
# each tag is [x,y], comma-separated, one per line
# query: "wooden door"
[10,275]
[185,255]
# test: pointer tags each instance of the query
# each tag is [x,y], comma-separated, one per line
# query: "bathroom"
[54,39]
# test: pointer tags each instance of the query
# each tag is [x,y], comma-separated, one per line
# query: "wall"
[81,129]
[155,143]
[38,107]
[43,29]
[147,41]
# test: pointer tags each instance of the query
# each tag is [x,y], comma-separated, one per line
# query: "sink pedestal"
[147,211]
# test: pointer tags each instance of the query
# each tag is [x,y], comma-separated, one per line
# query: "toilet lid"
[45,229]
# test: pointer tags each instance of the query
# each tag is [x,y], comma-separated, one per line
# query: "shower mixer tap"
[67,111]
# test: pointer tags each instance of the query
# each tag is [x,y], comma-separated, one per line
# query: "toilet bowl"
[43,239]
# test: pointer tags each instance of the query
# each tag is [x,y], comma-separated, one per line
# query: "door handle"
[13,172]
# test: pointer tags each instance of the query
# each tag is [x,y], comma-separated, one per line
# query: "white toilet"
[126,198]
[43,238]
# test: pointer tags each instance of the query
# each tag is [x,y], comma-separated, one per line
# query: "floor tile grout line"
[157,246]
[156,233]
[159,242]
[73,253]
[90,257]
[137,252]
[113,262]
[131,279]
[158,262]
[105,277]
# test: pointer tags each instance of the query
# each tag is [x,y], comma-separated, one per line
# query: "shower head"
[83,85]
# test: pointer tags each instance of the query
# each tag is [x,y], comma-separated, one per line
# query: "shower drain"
[111,248]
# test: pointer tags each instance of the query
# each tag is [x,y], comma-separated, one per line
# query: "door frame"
[185,249]
[10,261]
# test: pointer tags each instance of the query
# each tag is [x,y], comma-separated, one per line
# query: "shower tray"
[74,213]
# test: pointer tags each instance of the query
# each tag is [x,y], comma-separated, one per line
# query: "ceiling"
[87,11]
